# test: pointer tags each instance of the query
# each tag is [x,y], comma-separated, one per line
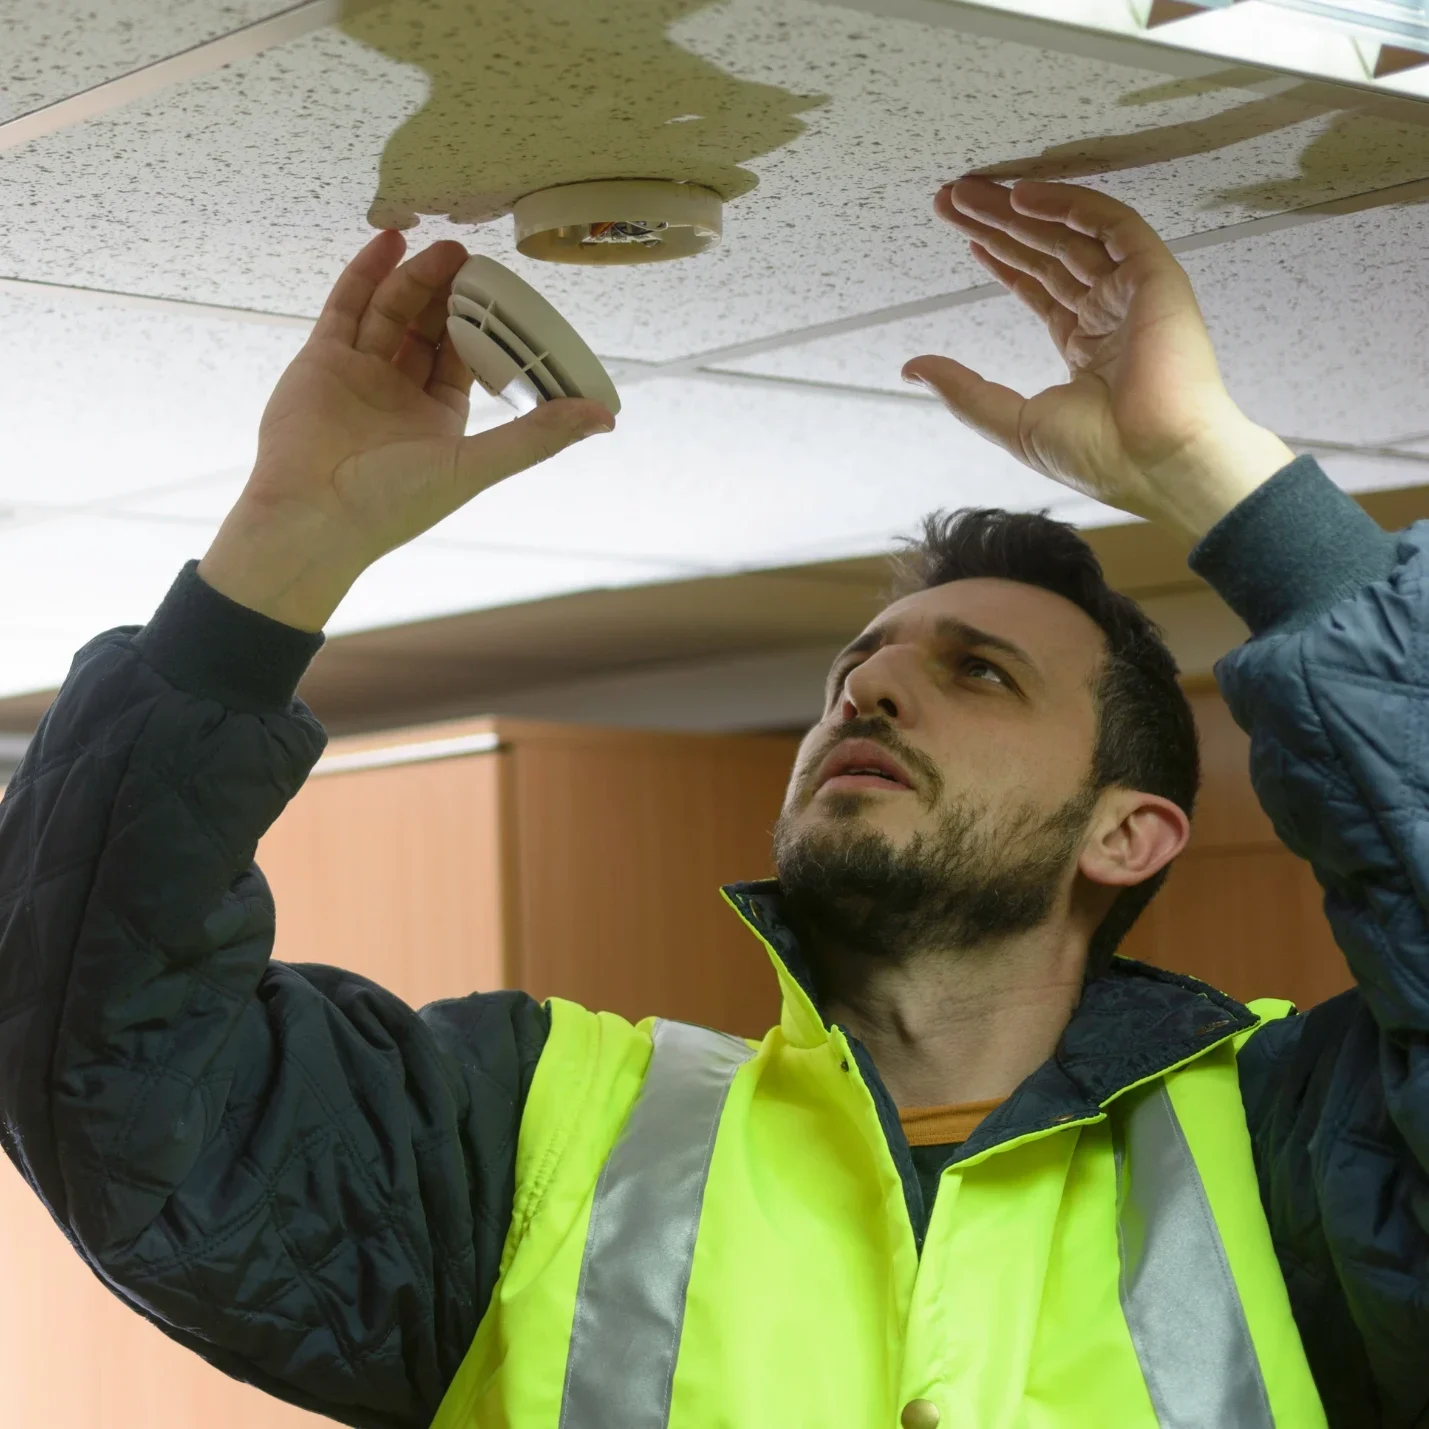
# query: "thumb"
[488,457]
[991,410]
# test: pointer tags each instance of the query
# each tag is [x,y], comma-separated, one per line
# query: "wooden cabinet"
[582,863]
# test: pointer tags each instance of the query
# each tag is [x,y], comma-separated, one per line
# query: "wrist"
[1212,476]
[295,571]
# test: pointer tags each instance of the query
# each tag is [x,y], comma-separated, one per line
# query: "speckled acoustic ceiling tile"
[63,582]
[725,477]
[58,48]
[1319,330]
[829,130]
[721,479]
[101,400]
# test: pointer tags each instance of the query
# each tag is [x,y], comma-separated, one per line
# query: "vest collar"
[759,906]
[1132,1023]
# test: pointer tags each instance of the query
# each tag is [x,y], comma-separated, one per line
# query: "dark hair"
[1146,735]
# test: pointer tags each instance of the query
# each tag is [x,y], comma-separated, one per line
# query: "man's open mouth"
[860,764]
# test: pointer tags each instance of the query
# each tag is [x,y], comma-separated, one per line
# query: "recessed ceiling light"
[1383,43]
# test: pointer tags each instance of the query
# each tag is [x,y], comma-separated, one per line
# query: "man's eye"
[985,670]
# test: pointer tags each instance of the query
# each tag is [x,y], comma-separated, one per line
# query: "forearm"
[1337,1099]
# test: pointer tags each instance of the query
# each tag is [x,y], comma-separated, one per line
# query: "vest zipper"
[892,1128]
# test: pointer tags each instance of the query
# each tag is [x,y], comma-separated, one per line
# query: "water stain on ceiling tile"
[1355,143]
[529,94]
[250,186]
[1367,150]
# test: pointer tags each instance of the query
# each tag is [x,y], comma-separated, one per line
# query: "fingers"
[450,380]
[1081,256]
[989,409]
[1050,271]
[353,291]
[1120,230]
[1061,322]
[404,295]
[489,457]
[1059,282]
[417,352]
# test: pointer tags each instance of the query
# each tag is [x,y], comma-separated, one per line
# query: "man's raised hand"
[361,446]
[1144,421]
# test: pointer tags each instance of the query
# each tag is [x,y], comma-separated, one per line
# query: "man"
[1134,1201]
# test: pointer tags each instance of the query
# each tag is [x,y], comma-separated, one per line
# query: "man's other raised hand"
[1144,421]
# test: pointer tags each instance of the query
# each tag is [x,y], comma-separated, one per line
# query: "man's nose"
[872,688]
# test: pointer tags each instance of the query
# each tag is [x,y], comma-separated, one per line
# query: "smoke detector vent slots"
[517,346]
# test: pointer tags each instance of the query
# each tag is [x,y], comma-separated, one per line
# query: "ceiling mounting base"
[616,221]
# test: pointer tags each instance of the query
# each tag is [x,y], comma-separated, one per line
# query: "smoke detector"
[516,345]
[618,221]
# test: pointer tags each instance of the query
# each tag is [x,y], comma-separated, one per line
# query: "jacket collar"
[1132,1023]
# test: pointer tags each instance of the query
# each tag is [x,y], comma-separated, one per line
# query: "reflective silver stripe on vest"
[630,1303]
[1177,1291]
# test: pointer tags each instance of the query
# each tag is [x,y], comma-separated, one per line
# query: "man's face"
[943,796]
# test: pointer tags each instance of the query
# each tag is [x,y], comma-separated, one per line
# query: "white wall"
[784,689]
[775,690]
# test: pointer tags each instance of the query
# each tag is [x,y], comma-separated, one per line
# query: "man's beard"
[964,885]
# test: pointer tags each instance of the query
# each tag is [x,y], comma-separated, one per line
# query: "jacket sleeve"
[1333,689]
[283,1167]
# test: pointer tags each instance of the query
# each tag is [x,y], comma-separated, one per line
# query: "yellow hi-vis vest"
[712,1234]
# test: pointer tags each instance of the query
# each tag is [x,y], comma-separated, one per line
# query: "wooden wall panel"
[73,1356]
[621,846]
[1239,910]
[1248,921]
[395,873]
[1228,815]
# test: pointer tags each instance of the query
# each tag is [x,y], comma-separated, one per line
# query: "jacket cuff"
[210,646]
[1292,549]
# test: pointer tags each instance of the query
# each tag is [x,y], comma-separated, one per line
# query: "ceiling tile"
[716,477]
[996,336]
[62,582]
[251,186]
[1355,471]
[101,399]
[128,430]
[430,577]
[61,47]
[1312,325]
[698,477]
[203,502]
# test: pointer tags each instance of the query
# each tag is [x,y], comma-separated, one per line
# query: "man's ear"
[1133,835]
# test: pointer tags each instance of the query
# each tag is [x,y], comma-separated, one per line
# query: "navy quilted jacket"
[309,1183]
